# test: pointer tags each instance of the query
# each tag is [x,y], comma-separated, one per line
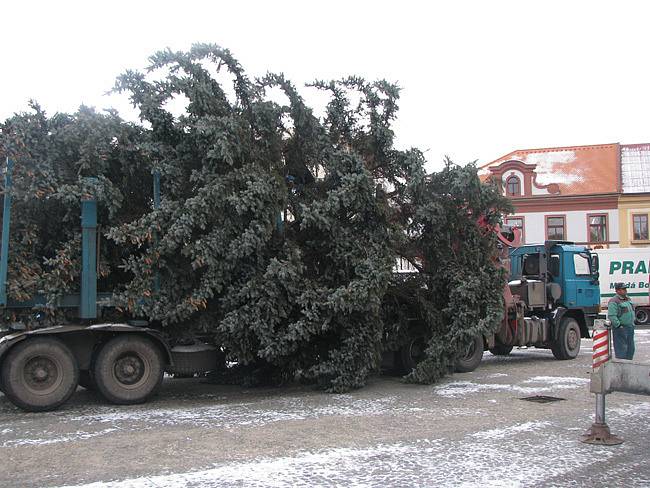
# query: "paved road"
[472,429]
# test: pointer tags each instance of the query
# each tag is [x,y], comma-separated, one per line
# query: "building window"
[597,228]
[555,228]
[518,223]
[513,186]
[640,224]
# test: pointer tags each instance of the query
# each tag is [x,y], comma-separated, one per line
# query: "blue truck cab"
[556,286]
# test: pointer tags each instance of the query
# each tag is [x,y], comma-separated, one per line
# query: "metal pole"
[156,205]
[88,308]
[600,408]
[6,220]
[599,432]
[156,189]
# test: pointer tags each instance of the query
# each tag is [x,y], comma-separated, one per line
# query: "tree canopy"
[278,229]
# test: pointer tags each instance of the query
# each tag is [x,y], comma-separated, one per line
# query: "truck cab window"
[581,264]
[554,265]
[531,265]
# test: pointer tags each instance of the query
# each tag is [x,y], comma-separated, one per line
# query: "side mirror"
[595,277]
[595,264]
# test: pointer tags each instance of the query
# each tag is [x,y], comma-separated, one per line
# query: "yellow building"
[634,199]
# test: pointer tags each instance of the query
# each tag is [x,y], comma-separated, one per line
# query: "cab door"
[579,292]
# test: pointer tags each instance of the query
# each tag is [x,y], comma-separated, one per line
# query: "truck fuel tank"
[537,332]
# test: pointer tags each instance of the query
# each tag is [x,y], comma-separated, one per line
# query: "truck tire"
[500,349]
[472,357]
[128,369]
[642,316]
[410,355]
[567,345]
[39,374]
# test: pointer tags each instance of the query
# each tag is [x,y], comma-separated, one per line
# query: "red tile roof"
[577,170]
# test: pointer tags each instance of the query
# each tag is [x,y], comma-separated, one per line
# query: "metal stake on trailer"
[6,220]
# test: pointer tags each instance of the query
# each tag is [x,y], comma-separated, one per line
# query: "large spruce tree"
[277,231]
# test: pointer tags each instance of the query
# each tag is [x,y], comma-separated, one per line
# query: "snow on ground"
[99,420]
[561,382]
[640,408]
[96,421]
[520,455]
[221,416]
[539,384]
[642,336]
[526,453]
[56,438]
[510,430]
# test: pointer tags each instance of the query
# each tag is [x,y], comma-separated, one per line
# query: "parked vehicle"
[632,267]
[41,366]
[551,304]
[551,300]
[556,297]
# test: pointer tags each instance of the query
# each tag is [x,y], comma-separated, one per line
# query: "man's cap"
[620,286]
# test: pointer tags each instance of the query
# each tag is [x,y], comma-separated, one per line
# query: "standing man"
[620,313]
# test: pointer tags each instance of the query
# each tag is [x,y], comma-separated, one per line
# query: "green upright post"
[156,189]
[6,219]
[88,306]
[156,205]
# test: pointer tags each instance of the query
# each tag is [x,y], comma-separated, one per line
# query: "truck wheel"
[568,341]
[39,374]
[410,355]
[472,357]
[500,349]
[128,369]
[642,316]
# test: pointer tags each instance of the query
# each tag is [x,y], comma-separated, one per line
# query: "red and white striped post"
[599,432]
[600,348]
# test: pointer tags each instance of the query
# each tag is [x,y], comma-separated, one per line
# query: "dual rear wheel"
[410,355]
[40,374]
[128,369]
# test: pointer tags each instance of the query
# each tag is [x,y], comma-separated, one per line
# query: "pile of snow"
[555,167]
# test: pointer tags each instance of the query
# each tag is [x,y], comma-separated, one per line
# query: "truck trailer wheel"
[410,355]
[128,369]
[500,349]
[567,345]
[39,374]
[642,316]
[472,357]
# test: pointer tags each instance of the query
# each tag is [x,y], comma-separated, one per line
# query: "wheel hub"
[41,375]
[469,352]
[417,350]
[572,339]
[129,369]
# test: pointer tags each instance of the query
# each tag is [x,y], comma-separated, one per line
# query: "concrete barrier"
[608,375]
